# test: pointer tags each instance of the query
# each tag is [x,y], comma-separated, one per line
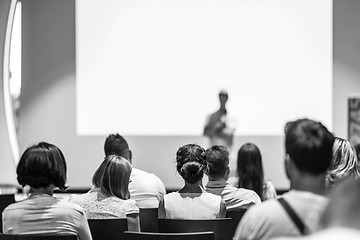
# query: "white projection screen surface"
[155,67]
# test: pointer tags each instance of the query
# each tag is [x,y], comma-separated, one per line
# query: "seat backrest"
[148,219]
[221,227]
[36,237]
[5,200]
[109,229]
[236,217]
[169,236]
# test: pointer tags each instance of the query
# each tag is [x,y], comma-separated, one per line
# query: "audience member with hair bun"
[110,196]
[191,201]
[250,173]
[43,168]
[344,162]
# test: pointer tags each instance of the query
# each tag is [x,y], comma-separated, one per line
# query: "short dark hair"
[217,158]
[309,145]
[191,162]
[113,176]
[115,144]
[41,165]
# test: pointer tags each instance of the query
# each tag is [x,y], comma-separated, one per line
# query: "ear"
[288,166]
[227,172]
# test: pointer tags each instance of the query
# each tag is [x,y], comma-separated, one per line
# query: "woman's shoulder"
[269,190]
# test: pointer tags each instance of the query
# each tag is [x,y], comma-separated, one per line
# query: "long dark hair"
[250,169]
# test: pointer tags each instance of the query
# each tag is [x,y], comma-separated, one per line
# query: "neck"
[224,178]
[48,190]
[309,183]
[192,188]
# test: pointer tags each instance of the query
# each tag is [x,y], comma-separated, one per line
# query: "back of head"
[217,158]
[191,162]
[41,165]
[115,144]
[309,146]
[113,176]
[343,209]
[344,162]
[250,169]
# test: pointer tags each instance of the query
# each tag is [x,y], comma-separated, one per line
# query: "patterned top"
[98,206]
[46,215]
[192,205]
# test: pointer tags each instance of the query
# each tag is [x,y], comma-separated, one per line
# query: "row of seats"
[127,236]
[116,229]
[149,222]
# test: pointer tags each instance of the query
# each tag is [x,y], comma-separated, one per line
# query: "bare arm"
[161,209]
[222,212]
[133,222]
[84,230]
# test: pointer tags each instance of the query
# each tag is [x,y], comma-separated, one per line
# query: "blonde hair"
[113,176]
[344,162]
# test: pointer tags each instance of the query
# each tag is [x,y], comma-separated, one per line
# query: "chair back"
[169,236]
[148,219]
[236,217]
[109,229]
[5,200]
[221,227]
[36,237]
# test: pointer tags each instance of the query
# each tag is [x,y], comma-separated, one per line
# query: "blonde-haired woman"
[110,197]
[344,162]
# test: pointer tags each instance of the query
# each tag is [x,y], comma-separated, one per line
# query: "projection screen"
[155,67]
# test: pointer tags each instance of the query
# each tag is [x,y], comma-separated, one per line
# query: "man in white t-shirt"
[145,188]
[308,146]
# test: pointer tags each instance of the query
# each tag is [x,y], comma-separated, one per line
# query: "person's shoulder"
[70,206]
[145,176]
[79,199]
[266,208]
[248,194]
[211,196]
[14,206]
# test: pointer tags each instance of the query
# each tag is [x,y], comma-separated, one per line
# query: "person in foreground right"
[308,146]
[341,218]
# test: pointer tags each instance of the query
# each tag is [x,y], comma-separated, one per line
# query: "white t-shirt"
[334,233]
[269,219]
[146,189]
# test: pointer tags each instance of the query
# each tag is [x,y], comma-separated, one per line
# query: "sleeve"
[131,207]
[245,229]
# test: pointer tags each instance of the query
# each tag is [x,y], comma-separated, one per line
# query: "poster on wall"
[354,119]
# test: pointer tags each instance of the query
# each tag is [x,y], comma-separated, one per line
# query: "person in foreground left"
[43,168]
